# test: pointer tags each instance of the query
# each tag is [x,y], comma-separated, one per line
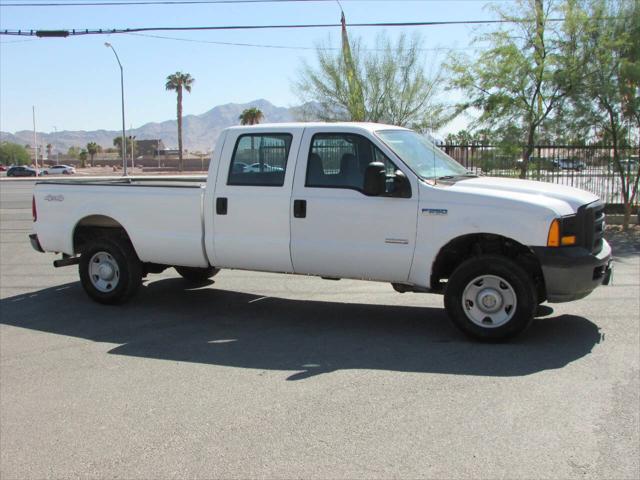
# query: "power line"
[109,31]
[200,2]
[284,47]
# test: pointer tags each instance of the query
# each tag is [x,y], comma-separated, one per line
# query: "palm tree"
[251,116]
[179,81]
[93,148]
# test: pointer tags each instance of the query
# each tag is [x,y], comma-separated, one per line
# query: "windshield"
[422,156]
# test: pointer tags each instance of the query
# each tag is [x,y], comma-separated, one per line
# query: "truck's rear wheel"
[110,270]
[197,275]
[491,298]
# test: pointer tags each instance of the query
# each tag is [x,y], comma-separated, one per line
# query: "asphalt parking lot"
[274,376]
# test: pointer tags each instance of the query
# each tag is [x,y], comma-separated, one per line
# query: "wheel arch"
[94,226]
[463,247]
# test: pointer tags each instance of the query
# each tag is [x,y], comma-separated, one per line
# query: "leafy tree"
[74,152]
[251,116]
[93,148]
[386,84]
[603,35]
[519,79]
[83,158]
[13,154]
[49,150]
[179,81]
[131,145]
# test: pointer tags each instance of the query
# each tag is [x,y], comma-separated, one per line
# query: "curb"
[618,219]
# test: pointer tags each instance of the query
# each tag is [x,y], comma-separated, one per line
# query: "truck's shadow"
[170,322]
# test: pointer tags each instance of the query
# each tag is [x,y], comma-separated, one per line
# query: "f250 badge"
[435,211]
[54,198]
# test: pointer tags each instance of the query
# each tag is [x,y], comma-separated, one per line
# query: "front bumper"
[571,273]
[35,243]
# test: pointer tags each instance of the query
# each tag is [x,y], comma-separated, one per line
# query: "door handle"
[221,206]
[300,208]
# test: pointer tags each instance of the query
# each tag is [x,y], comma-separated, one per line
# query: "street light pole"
[124,138]
[35,139]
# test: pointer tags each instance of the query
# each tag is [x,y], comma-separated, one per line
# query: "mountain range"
[199,132]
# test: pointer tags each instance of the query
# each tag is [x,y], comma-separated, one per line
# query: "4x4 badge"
[54,198]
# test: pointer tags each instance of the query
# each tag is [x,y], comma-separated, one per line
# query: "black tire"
[117,252]
[197,275]
[512,280]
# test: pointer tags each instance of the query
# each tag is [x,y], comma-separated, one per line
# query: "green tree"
[83,158]
[386,84]
[74,152]
[13,154]
[519,78]
[117,142]
[604,37]
[251,116]
[179,81]
[93,148]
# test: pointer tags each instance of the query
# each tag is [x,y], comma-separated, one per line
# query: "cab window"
[339,160]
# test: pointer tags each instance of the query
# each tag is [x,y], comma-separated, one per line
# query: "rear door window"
[260,159]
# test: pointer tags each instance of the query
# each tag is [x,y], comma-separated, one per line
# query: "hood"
[526,190]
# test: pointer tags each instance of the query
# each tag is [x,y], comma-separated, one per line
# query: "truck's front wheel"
[110,270]
[491,297]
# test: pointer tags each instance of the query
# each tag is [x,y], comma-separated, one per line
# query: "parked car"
[22,171]
[569,164]
[630,163]
[354,200]
[59,170]
[3,168]
[256,168]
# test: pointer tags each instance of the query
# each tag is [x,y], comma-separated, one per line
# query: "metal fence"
[590,167]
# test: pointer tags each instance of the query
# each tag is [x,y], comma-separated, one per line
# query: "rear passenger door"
[251,228]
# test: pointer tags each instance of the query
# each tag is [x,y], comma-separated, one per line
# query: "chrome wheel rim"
[489,301]
[104,272]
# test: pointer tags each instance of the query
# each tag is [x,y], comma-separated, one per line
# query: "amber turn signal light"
[553,239]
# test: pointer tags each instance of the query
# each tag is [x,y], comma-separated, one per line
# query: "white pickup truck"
[342,200]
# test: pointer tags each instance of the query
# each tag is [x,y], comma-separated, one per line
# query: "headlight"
[562,232]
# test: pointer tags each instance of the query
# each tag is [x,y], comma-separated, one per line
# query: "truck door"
[338,231]
[252,199]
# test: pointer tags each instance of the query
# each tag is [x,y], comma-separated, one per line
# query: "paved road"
[269,376]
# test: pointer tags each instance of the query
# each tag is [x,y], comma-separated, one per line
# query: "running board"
[66,261]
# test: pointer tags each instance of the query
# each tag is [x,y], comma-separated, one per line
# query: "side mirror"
[401,185]
[375,179]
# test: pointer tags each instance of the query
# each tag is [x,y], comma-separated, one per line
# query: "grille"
[591,220]
[598,228]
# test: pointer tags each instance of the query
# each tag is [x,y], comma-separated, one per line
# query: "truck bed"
[162,216]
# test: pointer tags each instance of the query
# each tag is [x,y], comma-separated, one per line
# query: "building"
[149,148]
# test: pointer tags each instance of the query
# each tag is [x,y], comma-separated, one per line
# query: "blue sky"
[74,82]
